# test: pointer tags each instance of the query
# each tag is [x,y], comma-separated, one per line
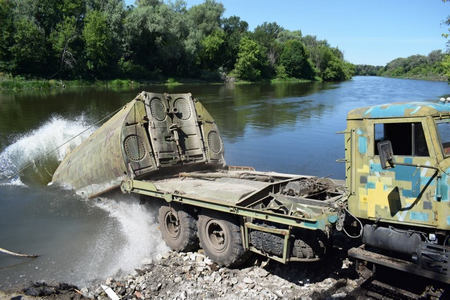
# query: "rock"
[260,272]
[84,291]
[218,279]
[234,280]
[186,269]
[140,279]
[247,280]
[32,291]
[138,295]
[183,295]
[201,263]
[156,287]
[340,295]
[177,279]
[208,261]
[279,293]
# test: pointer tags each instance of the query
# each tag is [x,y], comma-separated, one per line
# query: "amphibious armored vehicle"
[152,135]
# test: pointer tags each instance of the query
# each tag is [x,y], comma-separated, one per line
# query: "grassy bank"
[10,83]
[429,77]
[291,80]
[18,83]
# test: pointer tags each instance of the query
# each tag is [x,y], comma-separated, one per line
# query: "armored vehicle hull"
[153,135]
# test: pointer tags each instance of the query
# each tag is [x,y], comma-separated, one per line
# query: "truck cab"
[403,200]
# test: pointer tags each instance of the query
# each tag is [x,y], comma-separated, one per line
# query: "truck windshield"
[443,128]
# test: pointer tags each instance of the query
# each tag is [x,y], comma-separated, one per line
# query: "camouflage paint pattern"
[152,133]
[406,195]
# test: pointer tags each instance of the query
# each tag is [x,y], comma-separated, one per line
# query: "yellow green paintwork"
[404,194]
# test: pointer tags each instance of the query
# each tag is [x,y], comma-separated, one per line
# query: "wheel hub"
[216,236]
[172,224]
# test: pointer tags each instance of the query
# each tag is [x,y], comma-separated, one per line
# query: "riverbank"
[16,84]
[432,77]
[194,276]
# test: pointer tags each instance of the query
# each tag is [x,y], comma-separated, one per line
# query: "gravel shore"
[192,275]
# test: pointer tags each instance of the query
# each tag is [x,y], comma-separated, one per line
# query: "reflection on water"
[282,127]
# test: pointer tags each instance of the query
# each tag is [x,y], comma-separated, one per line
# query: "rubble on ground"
[192,275]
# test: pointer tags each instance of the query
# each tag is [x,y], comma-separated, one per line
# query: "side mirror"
[386,154]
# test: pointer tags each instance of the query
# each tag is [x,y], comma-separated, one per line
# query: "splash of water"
[31,148]
[138,226]
[128,237]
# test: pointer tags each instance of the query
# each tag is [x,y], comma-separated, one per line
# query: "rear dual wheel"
[219,234]
[220,237]
[178,227]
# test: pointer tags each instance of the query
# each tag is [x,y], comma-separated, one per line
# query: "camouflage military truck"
[168,148]
[397,178]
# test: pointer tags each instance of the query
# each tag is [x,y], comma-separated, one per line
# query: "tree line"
[432,66]
[417,66]
[153,39]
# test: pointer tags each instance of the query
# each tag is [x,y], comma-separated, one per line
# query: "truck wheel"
[178,228]
[220,238]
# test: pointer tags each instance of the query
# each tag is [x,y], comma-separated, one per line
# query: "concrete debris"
[190,275]
[193,276]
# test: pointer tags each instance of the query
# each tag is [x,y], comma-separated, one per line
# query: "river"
[288,127]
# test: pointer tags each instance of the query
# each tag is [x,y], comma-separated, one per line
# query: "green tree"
[66,43]
[446,66]
[29,49]
[295,60]
[211,53]
[286,35]
[98,41]
[154,35]
[234,29]
[202,20]
[6,33]
[337,70]
[251,60]
[266,35]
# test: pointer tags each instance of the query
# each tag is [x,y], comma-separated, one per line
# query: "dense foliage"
[416,66]
[103,39]
[367,70]
[434,66]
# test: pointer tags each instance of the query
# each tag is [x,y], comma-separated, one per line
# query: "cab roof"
[396,110]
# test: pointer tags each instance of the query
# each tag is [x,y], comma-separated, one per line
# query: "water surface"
[281,127]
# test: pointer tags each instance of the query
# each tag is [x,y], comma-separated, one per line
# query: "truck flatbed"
[293,202]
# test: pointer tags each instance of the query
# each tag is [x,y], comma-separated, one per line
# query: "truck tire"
[178,228]
[220,237]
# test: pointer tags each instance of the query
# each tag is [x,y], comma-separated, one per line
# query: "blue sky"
[368,32]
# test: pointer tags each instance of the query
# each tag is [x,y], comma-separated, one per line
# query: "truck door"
[403,193]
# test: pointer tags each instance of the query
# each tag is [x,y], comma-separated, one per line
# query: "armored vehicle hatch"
[151,136]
